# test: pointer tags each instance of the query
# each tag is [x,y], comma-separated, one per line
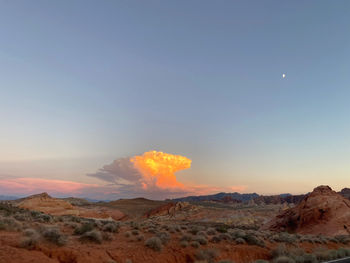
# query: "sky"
[88,87]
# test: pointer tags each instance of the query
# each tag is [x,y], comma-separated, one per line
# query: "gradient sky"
[84,83]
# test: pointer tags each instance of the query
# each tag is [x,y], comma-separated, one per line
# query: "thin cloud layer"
[27,186]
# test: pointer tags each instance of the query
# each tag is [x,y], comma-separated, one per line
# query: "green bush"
[30,240]
[195,244]
[184,243]
[283,259]
[186,237]
[54,235]
[91,236]
[154,243]
[281,250]
[253,240]
[164,237]
[208,255]
[211,231]
[85,227]
[201,239]
[240,241]
[110,227]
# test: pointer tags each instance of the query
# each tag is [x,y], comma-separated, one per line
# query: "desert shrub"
[308,239]
[344,239]
[35,213]
[306,258]
[164,237]
[343,252]
[134,225]
[222,228]
[177,228]
[194,230]
[9,224]
[29,242]
[240,241]
[110,227]
[85,227]
[184,243]
[285,237]
[225,236]
[45,218]
[208,255]
[54,235]
[211,231]
[71,225]
[30,232]
[201,239]
[152,230]
[140,238]
[31,239]
[72,218]
[185,237]
[321,254]
[237,233]
[135,232]
[283,259]
[215,239]
[195,244]
[22,217]
[107,236]
[91,236]
[154,243]
[279,251]
[253,240]
[127,234]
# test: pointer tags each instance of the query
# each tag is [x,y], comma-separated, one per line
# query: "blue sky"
[86,82]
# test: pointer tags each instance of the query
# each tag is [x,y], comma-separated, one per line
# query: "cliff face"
[321,212]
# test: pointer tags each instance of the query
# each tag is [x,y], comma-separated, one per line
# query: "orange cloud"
[153,175]
[158,168]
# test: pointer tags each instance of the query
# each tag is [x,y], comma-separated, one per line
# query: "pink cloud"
[27,186]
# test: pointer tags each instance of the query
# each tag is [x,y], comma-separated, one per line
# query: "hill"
[322,212]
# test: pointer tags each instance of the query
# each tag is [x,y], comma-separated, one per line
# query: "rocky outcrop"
[46,204]
[171,209]
[54,206]
[321,212]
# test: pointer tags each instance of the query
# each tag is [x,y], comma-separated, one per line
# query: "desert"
[41,228]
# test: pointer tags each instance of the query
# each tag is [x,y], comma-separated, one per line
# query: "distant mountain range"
[252,197]
[218,197]
[5,197]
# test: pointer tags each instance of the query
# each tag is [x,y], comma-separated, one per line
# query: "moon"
[283,76]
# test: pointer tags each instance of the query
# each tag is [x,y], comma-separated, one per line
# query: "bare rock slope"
[323,211]
[54,206]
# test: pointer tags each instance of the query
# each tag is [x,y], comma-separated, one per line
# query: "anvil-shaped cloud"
[150,175]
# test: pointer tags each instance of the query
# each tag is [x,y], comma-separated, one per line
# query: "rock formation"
[54,206]
[321,212]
